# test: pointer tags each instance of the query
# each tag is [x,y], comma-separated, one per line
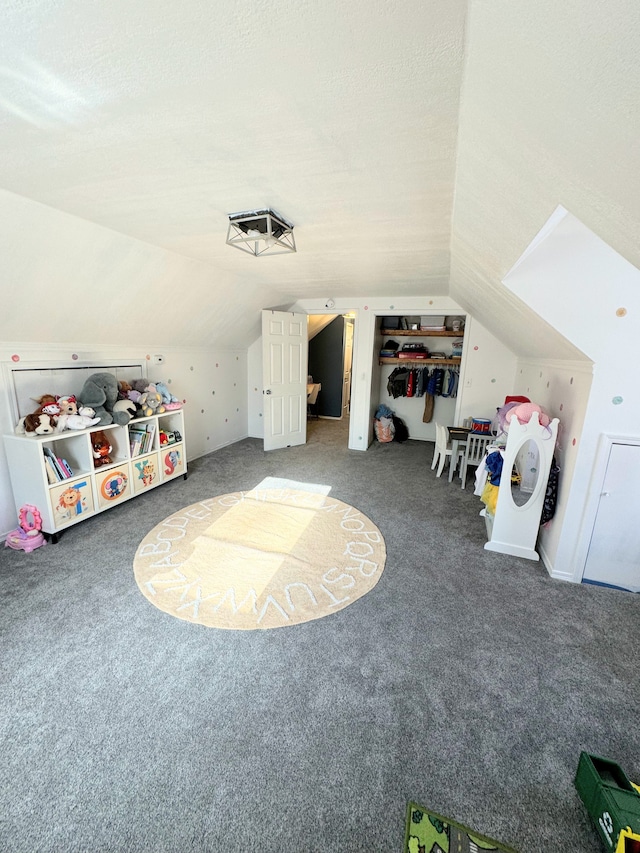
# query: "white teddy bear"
[83,419]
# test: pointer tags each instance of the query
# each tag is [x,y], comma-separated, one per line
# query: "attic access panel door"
[614,551]
[284,378]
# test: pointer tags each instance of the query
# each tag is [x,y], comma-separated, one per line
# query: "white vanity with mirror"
[513,529]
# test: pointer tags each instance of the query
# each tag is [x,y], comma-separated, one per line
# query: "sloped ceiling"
[318,322]
[550,115]
[156,119]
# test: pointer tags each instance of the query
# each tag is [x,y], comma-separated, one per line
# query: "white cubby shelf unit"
[89,490]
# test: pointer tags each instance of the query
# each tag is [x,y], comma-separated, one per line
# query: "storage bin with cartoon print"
[113,485]
[71,501]
[172,461]
[145,472]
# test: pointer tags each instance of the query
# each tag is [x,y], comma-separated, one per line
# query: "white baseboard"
[220,446]
[554,573]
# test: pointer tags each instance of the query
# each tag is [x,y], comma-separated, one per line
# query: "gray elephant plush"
[100,391]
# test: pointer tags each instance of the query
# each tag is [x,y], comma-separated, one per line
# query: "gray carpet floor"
[466,680]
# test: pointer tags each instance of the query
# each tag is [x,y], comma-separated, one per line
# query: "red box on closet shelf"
[414,351]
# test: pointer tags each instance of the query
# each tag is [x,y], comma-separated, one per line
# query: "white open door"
[347,365]
[284,378]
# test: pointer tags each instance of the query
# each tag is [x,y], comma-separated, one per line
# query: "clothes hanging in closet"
[427,415]
[418,381]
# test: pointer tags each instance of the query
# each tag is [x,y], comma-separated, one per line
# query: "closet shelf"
[416,362]
[422,333]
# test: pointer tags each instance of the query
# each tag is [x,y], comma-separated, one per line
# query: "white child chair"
[474,452]
[442,450]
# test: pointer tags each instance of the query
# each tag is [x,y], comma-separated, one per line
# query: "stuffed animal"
[127,406]
[521,411]
[100,392]
[47,404]
[45,400]
[68,405]
[100,449]
[151,402]
[123,389]
[86,412]
[170,402]
[134,390]
[81,420]
[52,409]
[524,411]
[134,397]
[41,422]
[36,423]
[127,393]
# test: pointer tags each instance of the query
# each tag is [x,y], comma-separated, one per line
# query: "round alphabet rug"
[265,558]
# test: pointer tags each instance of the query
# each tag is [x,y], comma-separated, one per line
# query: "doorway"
[330,362]
[285,375]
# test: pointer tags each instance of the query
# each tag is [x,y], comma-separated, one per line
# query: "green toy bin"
[610,798]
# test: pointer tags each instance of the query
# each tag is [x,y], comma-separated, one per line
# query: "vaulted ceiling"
[416,145]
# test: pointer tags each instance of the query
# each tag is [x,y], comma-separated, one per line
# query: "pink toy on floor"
[28,536]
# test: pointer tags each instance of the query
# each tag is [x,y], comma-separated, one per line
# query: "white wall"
[591,294]
[213,382]
[74,287]
[488,373]
[545,120]
[563,390]
[62,273]
[254,390]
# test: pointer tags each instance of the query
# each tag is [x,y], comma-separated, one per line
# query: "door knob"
[268,391]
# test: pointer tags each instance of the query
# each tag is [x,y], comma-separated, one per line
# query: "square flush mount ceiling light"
[260,232]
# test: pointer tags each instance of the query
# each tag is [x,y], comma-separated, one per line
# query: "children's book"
[136,435]
[52,477]
[49,454]
[64,466]
[148,443]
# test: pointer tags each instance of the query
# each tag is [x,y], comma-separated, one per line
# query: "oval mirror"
[525,473]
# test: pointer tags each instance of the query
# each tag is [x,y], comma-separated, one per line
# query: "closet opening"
[416,370]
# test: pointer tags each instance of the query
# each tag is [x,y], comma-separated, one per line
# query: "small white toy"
[85,418]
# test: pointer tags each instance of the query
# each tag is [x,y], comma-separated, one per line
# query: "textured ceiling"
[416,145]
[157,119]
